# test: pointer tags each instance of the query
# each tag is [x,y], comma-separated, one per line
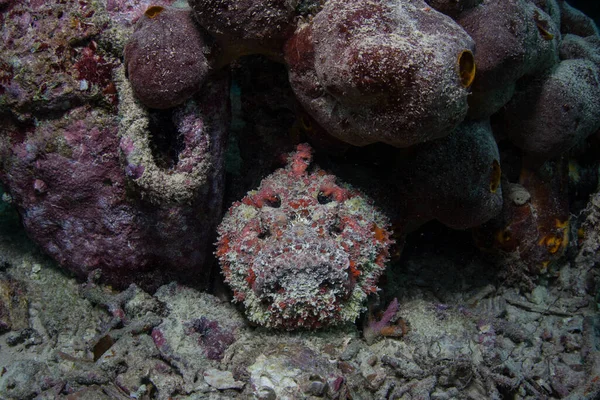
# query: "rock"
[221,379]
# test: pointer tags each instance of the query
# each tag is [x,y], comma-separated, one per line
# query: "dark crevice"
[165,142]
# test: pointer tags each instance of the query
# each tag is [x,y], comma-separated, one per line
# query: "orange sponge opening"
[495,176]
[543,26]
[153,11]
[466,68]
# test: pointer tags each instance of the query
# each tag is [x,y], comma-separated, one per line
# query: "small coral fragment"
[303,250]
[384,327]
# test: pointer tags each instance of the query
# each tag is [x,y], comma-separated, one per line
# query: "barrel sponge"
[452,8]
[553,113]
[574,21]
[165,57]
[550,7]
[483,104]
[249,24]
[513,38]
[577,47]
[455,179]
[382,71]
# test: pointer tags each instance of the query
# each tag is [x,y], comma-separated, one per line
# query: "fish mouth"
[302,276]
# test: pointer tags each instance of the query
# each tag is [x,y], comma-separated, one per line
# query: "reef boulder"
[91,171]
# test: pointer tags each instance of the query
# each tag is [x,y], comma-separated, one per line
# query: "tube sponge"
[388,71]
[165,57]
[577,47]
[575,22]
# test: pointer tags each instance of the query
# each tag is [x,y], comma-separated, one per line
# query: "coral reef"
[362,72]
[86,205]
[389,71]
[49,61]
[457,142]
[477,114]
[302,250]
[441,179]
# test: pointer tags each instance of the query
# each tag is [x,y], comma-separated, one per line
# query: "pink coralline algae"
[303,251]
[79,205]
[103,186]
[211,336]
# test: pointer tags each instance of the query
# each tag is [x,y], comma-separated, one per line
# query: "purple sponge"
[165,57]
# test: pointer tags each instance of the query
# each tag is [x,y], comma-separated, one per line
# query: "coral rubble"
[468,338]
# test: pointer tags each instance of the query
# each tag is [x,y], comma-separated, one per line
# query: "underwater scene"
[300,199]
